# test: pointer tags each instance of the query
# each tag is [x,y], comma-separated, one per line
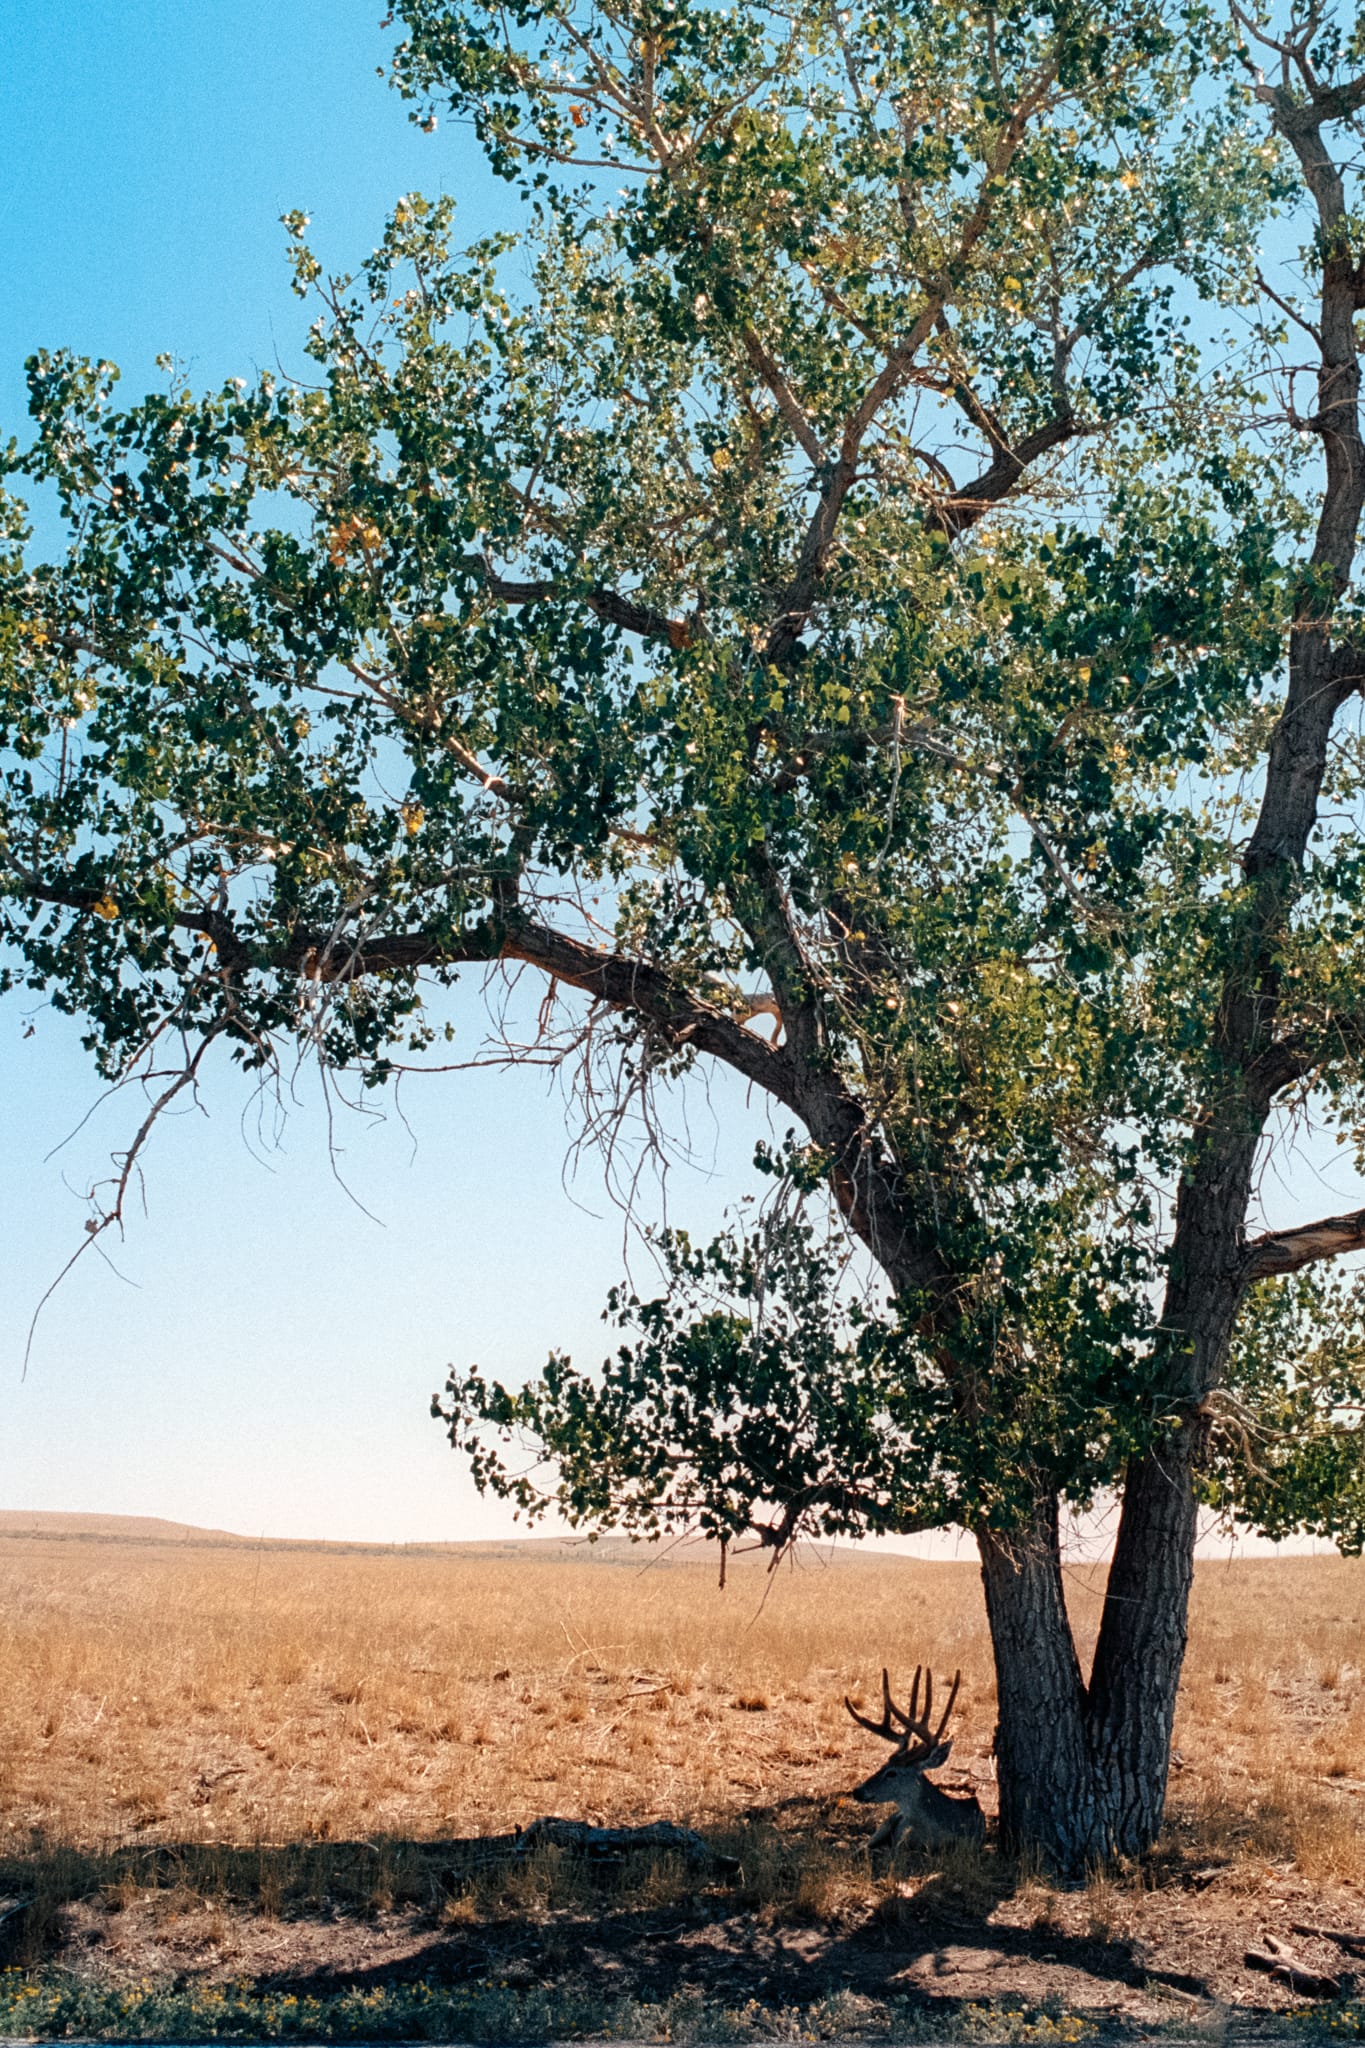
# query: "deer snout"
[874,1791]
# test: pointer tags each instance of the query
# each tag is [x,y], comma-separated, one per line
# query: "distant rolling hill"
[108,1528]
[75,1528]
[30,1525]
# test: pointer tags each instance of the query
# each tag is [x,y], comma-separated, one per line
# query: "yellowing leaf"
[105,908]
[353,532]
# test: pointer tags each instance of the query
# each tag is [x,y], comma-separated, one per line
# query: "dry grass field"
[220,1759]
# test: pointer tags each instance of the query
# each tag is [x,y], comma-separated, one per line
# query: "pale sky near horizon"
[263,1358]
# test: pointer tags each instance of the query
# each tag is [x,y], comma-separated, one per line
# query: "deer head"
[919,1747]
[923,1813]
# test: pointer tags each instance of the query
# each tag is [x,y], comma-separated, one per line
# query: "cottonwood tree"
[859,593]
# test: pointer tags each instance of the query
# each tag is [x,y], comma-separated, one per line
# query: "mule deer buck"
[926,1815]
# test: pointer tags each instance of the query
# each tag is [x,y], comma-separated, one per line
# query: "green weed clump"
[48,2006]
[1344,2021]
[1039,2028]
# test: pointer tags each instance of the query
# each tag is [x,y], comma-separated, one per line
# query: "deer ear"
[937,1757]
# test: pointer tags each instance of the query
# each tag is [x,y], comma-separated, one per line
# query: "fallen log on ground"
[1280,1962]
[601,1848]
[614,1845]
[1354,1944]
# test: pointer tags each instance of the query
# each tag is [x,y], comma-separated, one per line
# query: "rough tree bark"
[1050,1796]
[1082,1768]
[1141,1646]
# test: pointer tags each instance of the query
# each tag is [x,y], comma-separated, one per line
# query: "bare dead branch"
[1288,1251]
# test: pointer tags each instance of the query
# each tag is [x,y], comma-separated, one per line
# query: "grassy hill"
[107,1528]
[154,1529]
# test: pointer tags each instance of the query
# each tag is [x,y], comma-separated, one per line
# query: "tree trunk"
[1141,1647]
[1049,1803]
[1082,1771]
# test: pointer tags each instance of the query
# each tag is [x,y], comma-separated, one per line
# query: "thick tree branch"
[234,957]
[761,907]
[954,515]
[795,603]
[788,404]
[1288,1251]
[870,1191]
[1208,1261]
[608,605]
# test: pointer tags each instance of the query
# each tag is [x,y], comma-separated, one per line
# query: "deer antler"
[913,1726]
[886,1727]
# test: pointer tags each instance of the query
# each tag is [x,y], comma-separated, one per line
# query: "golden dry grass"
[356,1693]
[245,1695]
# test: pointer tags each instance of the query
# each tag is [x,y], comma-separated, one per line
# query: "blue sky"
[264,1356]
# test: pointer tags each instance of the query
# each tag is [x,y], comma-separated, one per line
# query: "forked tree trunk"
[1082,1770]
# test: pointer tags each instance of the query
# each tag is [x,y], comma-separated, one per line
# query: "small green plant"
[1341,2022]
[49,2006]
[1051,2027]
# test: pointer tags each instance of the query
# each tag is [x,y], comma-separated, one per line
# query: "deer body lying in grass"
[924,1815]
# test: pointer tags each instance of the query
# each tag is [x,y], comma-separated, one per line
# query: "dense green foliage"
[1290,1416]
[756,1394]
[753,1381]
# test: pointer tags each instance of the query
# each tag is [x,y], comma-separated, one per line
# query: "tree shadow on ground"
[803,1919]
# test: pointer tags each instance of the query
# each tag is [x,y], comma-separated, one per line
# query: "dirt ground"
[229,1763]
[1166,1952]
[802,1923]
